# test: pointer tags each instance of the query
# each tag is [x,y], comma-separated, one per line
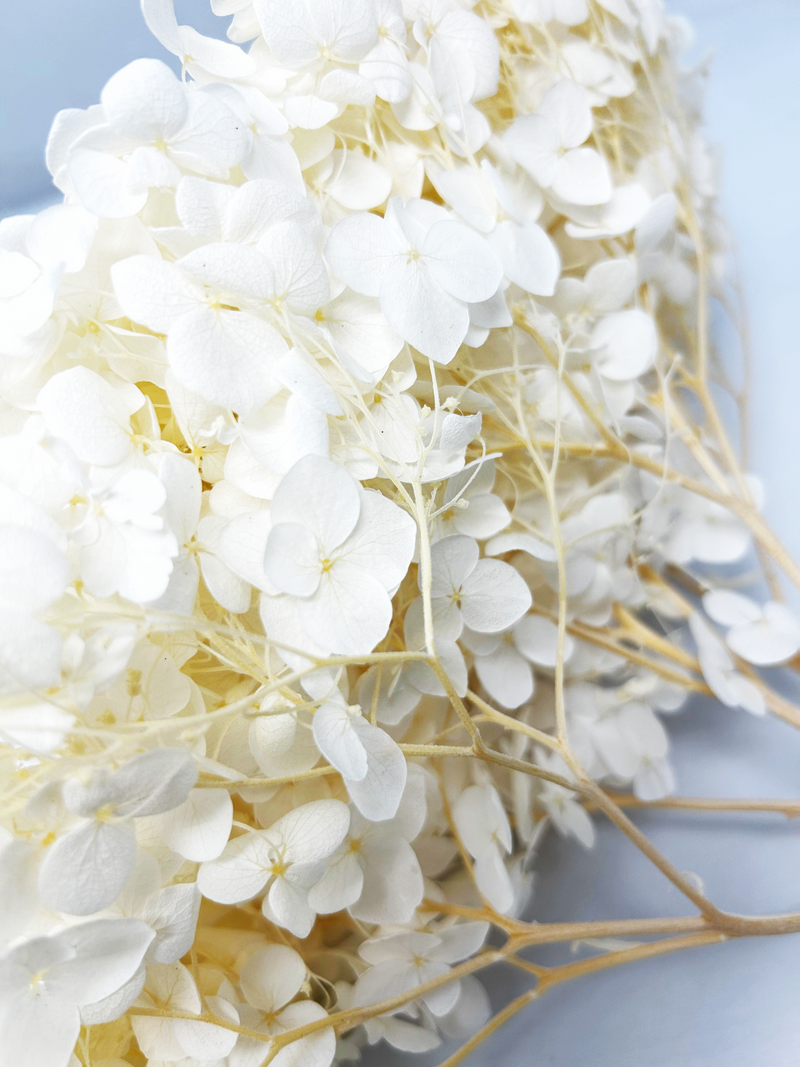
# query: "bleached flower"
[339,552]
[548,145]
[759,635]
[287,859]
[375,293]
[45,982]
[399,962]
[485,831]
[423,266]
[86,869]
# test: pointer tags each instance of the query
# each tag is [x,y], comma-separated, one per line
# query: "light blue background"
[734,1005]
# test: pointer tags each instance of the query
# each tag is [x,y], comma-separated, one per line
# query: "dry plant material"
[365,496]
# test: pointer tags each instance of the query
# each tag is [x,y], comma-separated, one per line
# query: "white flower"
[170,911]
[487,594]
[470,506]
[86,869]
[149,687]
[625,210]
[547,144]
[201,56]
[502,661]
[288,858]
[150,126]
[612,734]
[607,286]
[569,816]
[369,761]
[386,63]
[271,978]
[91,415]
[124,547]
[35,252]
[705,530]
[625,343]
[199,828]
[759,635]
[340,551]
[211,212]
[484,829]
[726,683]
[222,353]
[338,30]
[33,575]
[405,960]
[424,267]
[375,872]
[170,986]
[45,982]
[198,541]
[359,335]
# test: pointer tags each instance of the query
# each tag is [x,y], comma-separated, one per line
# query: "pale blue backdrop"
[734,1005]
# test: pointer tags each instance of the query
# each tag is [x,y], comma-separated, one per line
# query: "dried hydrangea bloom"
[364,501]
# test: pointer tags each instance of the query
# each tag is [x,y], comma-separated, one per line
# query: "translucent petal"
[349,613]
[154,782]
[505,676]
[311,832]
[460,261]
[582,177]
[377,796]
[152,292]
[145,100]
[199,828]
[272,976]
[292,559]
[338,741]
[537,639]
[225,356]
[287,905]
[33,572]
[393,884]
[359,183]
[453,559]
[240,872]
[107,953]
[626,343]
[493,597]
[360,249]
[86,869]
[566,106]
[297,34]
[528,256]
[421,312]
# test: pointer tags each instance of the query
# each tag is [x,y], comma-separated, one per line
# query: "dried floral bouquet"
[364,492]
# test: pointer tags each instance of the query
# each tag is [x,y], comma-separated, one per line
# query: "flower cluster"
[345,430]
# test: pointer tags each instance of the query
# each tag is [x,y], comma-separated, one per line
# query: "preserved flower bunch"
[363,495]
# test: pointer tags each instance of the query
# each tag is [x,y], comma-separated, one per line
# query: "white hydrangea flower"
[86,869]
[548,145]
[364,300]
[485,831]
[759,635]
[486,594]
[148,127]
[339,552]
[399,962]
[288,858]
[46,981]
[423,266]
